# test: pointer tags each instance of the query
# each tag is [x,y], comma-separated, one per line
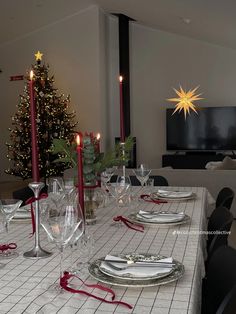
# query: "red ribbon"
[147,198]
[9,246]
[129,223]
[30,201]
[64,284]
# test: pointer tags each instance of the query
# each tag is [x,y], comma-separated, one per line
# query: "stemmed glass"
[120,189]
[56,187]
[105,179]
[8,208]
[142,174]
[83,248]
[107,174]
[61,219]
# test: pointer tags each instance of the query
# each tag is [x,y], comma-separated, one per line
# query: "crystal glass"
[82,249]
[120,190]
[8,208]
[142,173]
[61,220]
[107,174]
[56,187]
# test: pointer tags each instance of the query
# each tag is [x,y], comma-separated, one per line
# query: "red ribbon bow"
[64,284]
[147,198]
[9,246]
[129,223]
[30,201]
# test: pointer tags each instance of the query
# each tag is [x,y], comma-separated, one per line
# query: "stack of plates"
[136,270]
[162,218]
[22,214]
[173,195]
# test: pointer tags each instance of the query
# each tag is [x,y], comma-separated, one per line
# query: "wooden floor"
[7,187]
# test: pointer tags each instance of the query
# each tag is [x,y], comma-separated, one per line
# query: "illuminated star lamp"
[185,100]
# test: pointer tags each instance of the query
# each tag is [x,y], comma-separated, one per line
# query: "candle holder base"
[37,253]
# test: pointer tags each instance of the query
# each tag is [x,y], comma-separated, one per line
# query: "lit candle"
[35,166]
[122,127]
[98,142]
[80,172]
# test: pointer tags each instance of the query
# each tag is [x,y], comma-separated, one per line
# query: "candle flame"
[31,74]
[98,136]
[78,139]
[121,78]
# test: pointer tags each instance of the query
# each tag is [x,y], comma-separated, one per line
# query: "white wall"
[74,48]
[158,62]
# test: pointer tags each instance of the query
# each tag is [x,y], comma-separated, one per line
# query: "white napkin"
[23,212]
[135,271]
[161,217]
[174,194]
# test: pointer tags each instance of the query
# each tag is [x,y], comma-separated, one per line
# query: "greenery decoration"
[94,162]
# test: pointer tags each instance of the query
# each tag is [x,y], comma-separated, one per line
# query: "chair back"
[228,305]
[220,280]
[225,198]
[221,238]
[220,220]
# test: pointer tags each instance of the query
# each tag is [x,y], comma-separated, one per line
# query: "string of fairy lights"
[54,120]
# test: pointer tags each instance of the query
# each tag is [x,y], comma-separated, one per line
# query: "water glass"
[8,208]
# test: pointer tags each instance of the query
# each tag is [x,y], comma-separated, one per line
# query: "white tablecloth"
[23,281]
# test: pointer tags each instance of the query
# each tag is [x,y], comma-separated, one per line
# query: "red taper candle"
[80,172]
[35,163]
[98,143]
[122,127]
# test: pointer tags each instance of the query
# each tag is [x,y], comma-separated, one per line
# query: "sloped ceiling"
[213,21]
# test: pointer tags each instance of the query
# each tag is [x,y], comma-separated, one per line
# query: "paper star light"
[38,56]
[185,100]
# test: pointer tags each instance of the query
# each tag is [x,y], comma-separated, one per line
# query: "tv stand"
[191,161]
[200,153]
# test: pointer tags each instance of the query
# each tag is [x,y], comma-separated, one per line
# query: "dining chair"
[219,225]
[228,305]
[225,197]
[218,290]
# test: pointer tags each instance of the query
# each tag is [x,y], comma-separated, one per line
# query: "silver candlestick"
[37,251]
[123,154]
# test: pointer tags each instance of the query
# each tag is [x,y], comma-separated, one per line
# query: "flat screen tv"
[212,129]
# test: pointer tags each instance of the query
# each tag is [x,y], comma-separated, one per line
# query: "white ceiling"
[213,21]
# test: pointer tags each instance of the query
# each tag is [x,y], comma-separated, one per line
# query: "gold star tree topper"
[185,100]
[38,56]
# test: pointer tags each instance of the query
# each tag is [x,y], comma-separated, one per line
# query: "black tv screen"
[212,129]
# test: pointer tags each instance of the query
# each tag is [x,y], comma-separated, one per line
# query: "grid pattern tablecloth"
[23,282]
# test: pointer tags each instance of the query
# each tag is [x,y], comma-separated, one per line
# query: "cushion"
[227,164]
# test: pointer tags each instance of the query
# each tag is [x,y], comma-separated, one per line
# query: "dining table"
[24,282]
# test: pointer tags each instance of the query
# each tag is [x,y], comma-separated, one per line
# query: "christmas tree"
[54,121]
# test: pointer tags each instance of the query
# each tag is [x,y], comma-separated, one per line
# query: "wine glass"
[142,174]
[120,189]
[82,248]
[61,219]
[8,208]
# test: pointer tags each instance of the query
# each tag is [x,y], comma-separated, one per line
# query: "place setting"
[172,195]
[159,218]
[136,270]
